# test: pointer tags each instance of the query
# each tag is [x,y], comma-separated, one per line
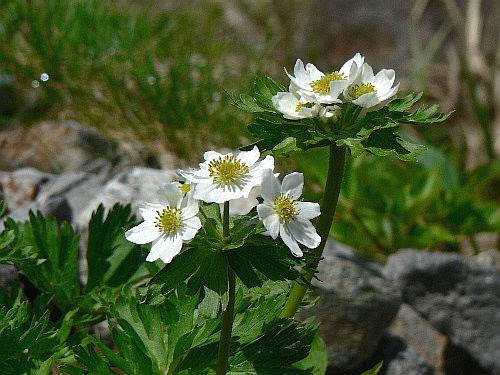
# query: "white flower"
[312,85]
[368,90]
[167,224]
[224,177]
[294,107]
[283,215]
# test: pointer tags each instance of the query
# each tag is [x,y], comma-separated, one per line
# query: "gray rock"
[135,185]
[420,336]
[489,257]
[401,359]
[457,295]
[356,305]
[22,186]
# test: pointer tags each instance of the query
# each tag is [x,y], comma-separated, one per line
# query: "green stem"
[329,204]
[225,222]
[227,322]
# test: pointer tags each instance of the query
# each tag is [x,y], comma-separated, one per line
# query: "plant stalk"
[228,318]
[336,165]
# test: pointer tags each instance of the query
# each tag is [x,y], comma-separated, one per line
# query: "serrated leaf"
[317,360]
[47,253]
[111,259]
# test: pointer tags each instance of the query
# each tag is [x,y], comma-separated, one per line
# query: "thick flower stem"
[328,205]
[227,322]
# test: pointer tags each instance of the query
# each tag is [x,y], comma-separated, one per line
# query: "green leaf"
[317,360]
[260,101]
[111,259]
[47,253]
[3,207]
[374,370]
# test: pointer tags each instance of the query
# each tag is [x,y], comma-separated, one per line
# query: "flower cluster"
[236,178]
[313,93]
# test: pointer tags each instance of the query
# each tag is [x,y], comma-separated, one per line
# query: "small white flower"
[294,107]
[225,177]
[314,86]
[368,90]
[167,224]
[283,215]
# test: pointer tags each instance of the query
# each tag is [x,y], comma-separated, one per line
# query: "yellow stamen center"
[322,85]
[364,88]
[169,220]
[227,170]
[185,188]
[299,106]
[285,208]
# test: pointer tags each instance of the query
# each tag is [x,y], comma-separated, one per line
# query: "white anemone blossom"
[294,107]
[167,224]
[368,90]
[225,177]
[284,215]
[312,85]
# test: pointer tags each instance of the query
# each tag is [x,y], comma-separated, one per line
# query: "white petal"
[270,187]
[149,211]
[211,193]
[158,246]
[366,73]
[308,210]
[346,68]
[191,207]
[390,93]
[249,157]
[211,155]
[367,100]
[337,87]
[383,80]
[195,176]
[143,233]
[172,194]
[171,248]
[270,219]
[293,184]
[243,206]
[305,233]
[286,103]
[266,163]
[290,241]
[191,227]
[313,73]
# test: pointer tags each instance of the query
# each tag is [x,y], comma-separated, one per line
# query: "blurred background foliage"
[153,76]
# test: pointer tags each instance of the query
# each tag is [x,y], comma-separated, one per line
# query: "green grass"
[140,75]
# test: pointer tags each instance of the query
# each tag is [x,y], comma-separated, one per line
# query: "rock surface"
[401,359]
[420,336]
[356,306]
[457,295]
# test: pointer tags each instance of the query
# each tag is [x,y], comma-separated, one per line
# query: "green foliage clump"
[170,325]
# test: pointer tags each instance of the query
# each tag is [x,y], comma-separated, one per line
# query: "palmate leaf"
[47,253]
[111,259]
[179,335]
[29,342]
[260,100]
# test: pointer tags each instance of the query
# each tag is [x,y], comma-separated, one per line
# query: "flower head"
[294,107]
[312,85]
[224,177]
[167,224]
[368,90]
[284,215]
